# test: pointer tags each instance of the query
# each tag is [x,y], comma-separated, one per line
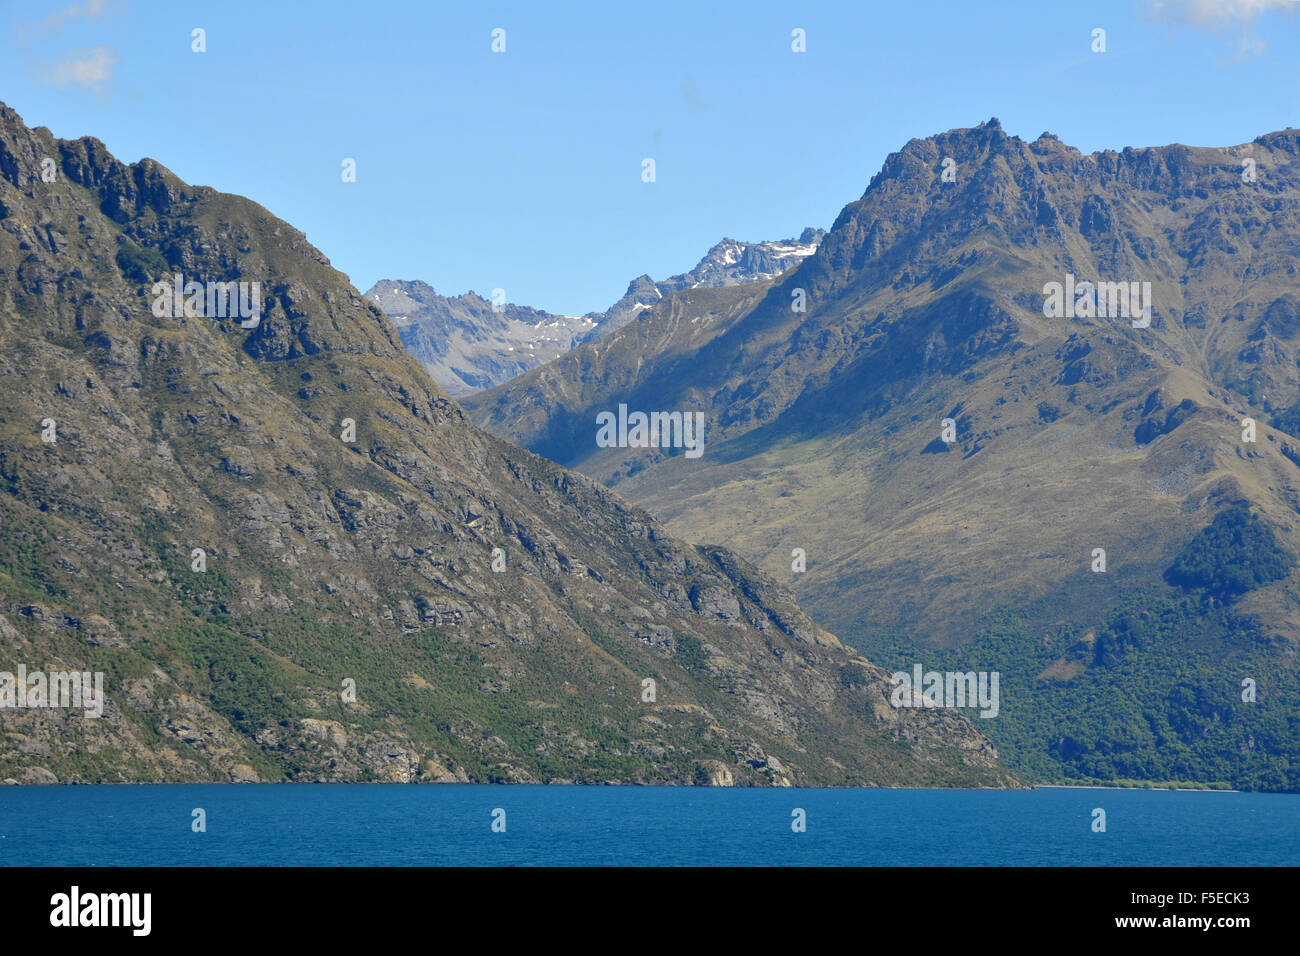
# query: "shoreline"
[1098,786]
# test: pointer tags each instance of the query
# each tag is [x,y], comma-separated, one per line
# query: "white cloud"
[89,69]
[1224,17]
[1213,11]
[91,9]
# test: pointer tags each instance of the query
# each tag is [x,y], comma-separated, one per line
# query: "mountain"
[292,557]
[929,313]
[465,344]
[728,263]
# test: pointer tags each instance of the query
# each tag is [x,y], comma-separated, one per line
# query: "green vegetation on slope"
[1154,692]
[1237,553]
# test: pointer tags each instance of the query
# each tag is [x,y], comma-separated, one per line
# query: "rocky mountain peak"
[466,344]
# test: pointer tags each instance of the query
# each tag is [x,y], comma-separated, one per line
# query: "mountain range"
[467,343]
[978,473]
[293,557]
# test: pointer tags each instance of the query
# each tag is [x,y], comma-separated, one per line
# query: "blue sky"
[522,170]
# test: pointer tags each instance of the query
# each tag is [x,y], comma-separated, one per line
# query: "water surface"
[409,825]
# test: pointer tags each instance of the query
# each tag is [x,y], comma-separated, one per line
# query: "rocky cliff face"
[293,557]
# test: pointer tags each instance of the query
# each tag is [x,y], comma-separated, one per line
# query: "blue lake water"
[397,825]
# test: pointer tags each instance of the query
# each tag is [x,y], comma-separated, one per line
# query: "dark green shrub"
[140,264]
[1236,553]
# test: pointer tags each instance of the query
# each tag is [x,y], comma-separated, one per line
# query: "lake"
[408,825]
